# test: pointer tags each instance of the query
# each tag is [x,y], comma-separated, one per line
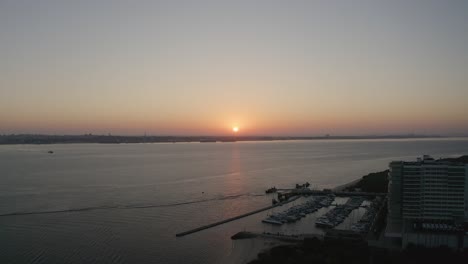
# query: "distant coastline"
[15,139]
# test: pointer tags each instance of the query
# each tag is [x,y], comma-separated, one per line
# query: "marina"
[278,235]
[317,200]
[234,218]
[367,220]
[297,212]
[338,214]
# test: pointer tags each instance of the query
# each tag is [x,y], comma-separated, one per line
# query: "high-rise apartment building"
[427,195]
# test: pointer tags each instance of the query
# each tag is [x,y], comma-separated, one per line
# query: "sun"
[235,129]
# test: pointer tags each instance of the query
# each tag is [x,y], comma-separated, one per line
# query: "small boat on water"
[272,221]
[271,190]
[50,152]
[324,223]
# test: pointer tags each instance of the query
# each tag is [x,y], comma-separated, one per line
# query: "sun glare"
[235,129]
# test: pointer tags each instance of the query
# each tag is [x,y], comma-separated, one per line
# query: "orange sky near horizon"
[248,125]
[171,68]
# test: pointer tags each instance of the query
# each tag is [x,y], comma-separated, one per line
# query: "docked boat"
[323,223]
[272,221]
[297,212]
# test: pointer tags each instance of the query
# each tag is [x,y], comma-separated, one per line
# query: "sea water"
[124,203]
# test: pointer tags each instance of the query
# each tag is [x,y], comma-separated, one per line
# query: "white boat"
[271,221]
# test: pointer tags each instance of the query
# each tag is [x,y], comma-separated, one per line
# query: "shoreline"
[26,139]
[340,188]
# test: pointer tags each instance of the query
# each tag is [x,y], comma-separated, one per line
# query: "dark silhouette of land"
[336,251]
[376,182]
[461,159]
[90,138]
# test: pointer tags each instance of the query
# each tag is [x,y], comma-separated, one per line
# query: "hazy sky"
[200,67]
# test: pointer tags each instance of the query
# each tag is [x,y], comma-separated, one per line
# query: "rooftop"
[426,159]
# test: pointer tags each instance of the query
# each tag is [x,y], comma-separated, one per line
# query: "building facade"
[427,193]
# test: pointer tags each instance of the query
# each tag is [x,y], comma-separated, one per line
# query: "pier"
[330,234]
[293,194]
[279,236]
[234,218]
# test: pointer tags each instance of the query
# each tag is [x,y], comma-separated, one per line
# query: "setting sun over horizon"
[169,68]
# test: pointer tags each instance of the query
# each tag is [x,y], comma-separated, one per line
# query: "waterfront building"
[428,202]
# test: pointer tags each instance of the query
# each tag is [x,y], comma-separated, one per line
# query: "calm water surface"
[91,203]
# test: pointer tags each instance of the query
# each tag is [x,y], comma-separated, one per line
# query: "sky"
[202,67]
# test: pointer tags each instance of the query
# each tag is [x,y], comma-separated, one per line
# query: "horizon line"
[412,135]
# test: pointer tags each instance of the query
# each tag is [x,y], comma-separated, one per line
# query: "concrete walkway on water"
[234,218]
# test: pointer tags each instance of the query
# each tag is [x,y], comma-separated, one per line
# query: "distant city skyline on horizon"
[363,136]
[270,68]
[21,139]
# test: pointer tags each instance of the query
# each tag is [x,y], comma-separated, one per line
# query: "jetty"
[279,236]
[235,218]
[286,196]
